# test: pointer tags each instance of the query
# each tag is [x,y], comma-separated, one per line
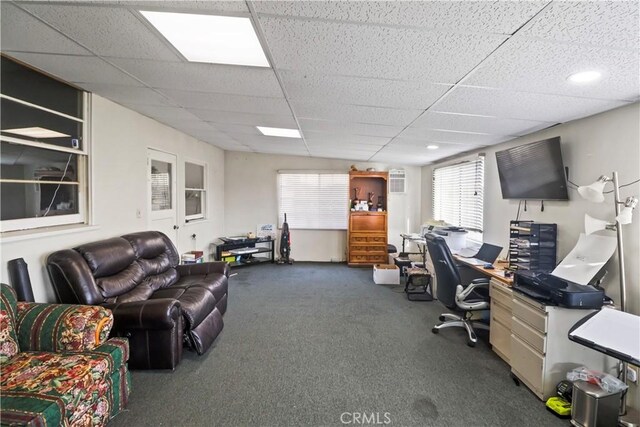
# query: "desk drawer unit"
[500,330]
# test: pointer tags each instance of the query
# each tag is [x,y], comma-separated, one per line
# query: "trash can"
[591,406]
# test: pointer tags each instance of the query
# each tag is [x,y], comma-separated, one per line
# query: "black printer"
[551,289]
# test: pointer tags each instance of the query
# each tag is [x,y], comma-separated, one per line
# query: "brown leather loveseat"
[155,301]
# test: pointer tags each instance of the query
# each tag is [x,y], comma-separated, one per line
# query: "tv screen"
[533,171]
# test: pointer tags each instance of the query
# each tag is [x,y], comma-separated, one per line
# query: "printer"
[550,289]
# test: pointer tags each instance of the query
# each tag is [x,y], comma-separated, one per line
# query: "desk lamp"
[594,193]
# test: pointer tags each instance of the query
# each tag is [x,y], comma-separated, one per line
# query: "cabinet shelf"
[235,249]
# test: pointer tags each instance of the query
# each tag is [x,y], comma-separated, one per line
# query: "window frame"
[203,191]
[475,234]
[83,173]
[293,226]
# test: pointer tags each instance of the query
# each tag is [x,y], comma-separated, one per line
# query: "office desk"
[496,273]
[532,337]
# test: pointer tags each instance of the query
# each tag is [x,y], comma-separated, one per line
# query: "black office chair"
[453,294]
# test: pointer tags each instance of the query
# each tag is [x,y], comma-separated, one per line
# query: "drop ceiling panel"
[410,159]
[453,137]
[361,91]
[197,77]
[598,23]
[106,31]
[227,102]
[337,127]
[494,17]
[16,24]
[227,117]
[539,66]
[204,6]
[162,112]
[126,94]
[374,51]
[346,155]
[323,137]
[355,113]
[190,126]
[465,123]
[77,69]
[263,141]
[522,105]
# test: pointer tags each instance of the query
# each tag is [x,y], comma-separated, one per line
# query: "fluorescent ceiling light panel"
[210,38]
[432,147]
[36,132]
[281,132]
[584,77]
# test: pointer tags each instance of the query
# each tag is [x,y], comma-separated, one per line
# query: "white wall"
[251,199]
[591,147]
[119,142]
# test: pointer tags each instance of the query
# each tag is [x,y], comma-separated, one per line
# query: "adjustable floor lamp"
[624,215]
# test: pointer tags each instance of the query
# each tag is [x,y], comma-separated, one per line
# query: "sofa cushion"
[196,302]
[152,244]
[216,283]
[107,257]
[8,332]
[56,386]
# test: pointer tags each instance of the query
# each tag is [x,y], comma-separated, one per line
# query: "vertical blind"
[458,194]
[313,200]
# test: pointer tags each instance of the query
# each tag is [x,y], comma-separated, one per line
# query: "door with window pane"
[161,193]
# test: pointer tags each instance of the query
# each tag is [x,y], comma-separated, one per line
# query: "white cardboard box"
[386,274]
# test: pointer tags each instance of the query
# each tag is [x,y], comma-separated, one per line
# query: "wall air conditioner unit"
[397,179]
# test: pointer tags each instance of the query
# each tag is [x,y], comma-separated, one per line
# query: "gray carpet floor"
[305,344]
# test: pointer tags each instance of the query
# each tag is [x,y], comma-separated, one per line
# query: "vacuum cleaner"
[285,244]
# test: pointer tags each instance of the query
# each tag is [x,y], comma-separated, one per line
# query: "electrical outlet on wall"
[632,374]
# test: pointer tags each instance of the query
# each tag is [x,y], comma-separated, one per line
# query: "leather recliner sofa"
[155,301]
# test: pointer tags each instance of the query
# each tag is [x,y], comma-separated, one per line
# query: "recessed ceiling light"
[432,147]
[210,38]
[36,132]
[284,133]
[584,77]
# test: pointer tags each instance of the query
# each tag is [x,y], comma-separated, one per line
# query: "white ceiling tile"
[355,113]
[22,32]
[126,94]
[597,23]
[522,105]
[228,117]
[189,126]
[231,128]
[197,77]
[205,6]
[344,155]
[227,102]
[466,123]
[373,51]
[453,137]
[540,66]
[302,86]
[162,112]
[106,31]
[409,159]
[338,139]
[262,140]
[337,127]
[77,69]
[494,17]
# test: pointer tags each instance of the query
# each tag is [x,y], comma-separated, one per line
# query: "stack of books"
[193,257]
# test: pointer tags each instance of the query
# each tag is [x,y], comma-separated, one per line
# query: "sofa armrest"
[62,327]
[219,267]
[153,314]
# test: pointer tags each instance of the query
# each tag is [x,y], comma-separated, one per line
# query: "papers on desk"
[586,259]
[612,332]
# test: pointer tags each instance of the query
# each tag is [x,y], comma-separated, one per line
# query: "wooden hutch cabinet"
[367,234]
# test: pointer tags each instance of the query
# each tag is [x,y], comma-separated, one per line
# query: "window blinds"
[458,194]
[313,200]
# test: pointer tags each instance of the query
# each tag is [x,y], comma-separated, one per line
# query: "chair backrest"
[446,272]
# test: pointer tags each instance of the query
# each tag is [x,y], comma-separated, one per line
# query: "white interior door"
[161,193]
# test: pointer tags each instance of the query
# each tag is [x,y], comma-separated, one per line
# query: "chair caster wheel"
[471,343]
[435,330]
[441,318]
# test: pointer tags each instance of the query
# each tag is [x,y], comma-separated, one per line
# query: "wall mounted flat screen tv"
[533,171]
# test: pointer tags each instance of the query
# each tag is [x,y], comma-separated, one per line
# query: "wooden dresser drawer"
[529,335]
[368,238]
[372,249]
[527,364]
[368,258]
[530,315]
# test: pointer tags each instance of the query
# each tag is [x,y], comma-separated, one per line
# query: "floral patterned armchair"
[57,367]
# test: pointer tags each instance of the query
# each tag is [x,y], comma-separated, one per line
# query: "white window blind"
[458,194]
[314,200]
